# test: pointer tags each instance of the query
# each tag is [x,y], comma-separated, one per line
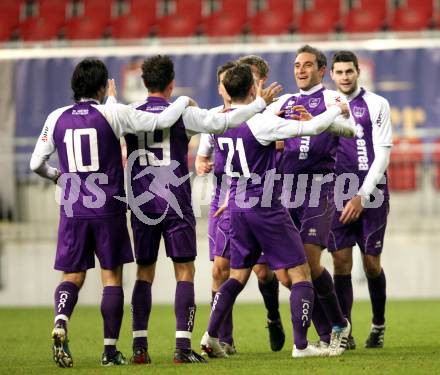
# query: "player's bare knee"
[184,271]
[372,266]
[342,264]
[146,272]
[76,278]
[263,273]
[283,278]
[241,275]
[299,273]
[112,277]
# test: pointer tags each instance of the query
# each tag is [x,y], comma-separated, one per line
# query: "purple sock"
[112,311]
[65,296]
[344,291]
[226,328]
[185,311]
[320,321]
[222,304]
[270,292]
[301,309]
[140,311]
[377,289]
[325,290]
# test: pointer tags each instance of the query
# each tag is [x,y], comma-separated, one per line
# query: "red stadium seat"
[138,22]
[277,18]
[322,17]
[230,20]
[9,18]
[51,16]
[367,16]
[93,23]
[414,15]
[184,22]
[406,159]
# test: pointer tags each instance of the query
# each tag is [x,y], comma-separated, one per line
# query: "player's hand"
[279,146]
[269,93]
[352,210]
[345,110]
[111,88]
[192,102]
[304,115]
[203,165]
[220,210]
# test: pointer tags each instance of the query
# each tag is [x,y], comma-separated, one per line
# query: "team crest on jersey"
[314,102]
[359,131]
[358,112]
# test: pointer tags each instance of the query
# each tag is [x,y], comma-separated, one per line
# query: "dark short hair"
[258,62]
[320,57]
[157,73]
[238,81]
[345,56]
[223,68]
[88,78]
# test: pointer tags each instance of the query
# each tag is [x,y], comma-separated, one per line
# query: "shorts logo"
[305,312]
[378,245]
[314,102]
[358,112]
[312,232]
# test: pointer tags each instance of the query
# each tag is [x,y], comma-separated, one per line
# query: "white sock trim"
[183,335]
[143,333]
[110,341]
[61,317]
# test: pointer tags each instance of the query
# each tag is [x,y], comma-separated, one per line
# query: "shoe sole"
[60,357]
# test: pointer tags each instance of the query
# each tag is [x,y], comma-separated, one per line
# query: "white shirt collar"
[89,100]
[314,89]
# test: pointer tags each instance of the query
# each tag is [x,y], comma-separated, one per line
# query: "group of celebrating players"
[269,151]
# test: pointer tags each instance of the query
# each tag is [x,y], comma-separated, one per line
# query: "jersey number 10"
[72,139]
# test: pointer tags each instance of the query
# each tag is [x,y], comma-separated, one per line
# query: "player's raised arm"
[343,127]
[125,119]
[269,128]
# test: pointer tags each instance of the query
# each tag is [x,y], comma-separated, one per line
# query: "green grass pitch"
[412,343]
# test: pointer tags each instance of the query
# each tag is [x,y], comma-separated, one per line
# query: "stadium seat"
[277,18]
[46,24]
[322,17]
[405,162]
[184,22]
[138,22]
[366,16]
[230,20]
[93,23]
[413,15]
[9,18]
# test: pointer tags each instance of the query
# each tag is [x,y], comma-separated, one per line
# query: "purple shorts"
[222,246]
[80,239]
[212,231]
[314,218]
[269,231]
[179,235]
[368,232]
